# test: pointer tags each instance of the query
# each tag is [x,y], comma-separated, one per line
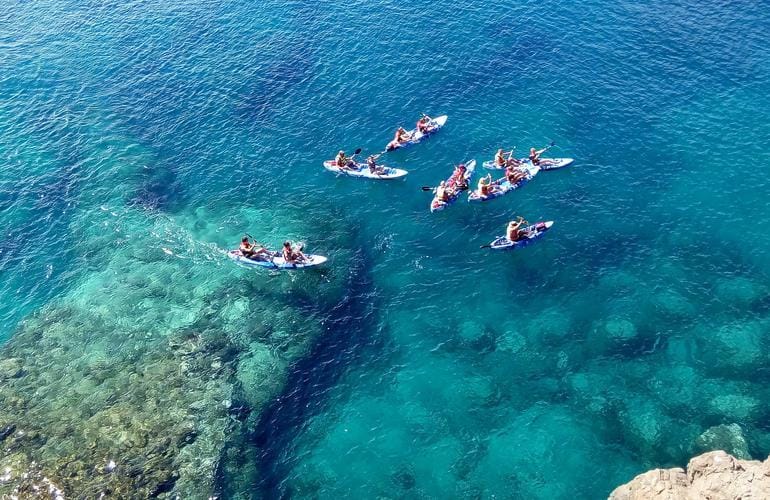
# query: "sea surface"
[139,141]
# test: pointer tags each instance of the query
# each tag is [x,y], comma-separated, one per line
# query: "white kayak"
[362,170]
[545,163]
[533,233]
[276,261]
[417,136]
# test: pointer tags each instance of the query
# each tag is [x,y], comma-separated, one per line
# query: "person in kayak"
[501,160]
[424,124]
[485,186]
[292,255]
[402,136]
[514,231]
[443,192]
[253,251]
[534,156]
[513,174]
[343,162]
[371,162]
[458,179]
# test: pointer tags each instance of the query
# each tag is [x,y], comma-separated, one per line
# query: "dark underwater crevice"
[349,331]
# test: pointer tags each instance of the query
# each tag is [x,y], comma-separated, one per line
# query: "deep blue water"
[640,321]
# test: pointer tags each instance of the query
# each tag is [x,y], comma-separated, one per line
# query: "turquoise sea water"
[140,140]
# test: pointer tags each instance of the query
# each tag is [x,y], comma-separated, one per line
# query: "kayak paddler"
[402,136]
[442,192]
[292,254]
[343,162]
[513,174]
[485,185]
[501,160]
[371,162]
[423,124]
[253,250]
[514,231]
[534,156]
[458,179]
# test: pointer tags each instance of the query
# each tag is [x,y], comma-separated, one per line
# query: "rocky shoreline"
[715,475]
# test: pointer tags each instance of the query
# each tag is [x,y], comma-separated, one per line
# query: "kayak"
[436,204]
[362,170]
[506,187]
[545,163]
[536,231]
[277,261]
[417,136]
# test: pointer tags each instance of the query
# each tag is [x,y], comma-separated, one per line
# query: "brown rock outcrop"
[714,475]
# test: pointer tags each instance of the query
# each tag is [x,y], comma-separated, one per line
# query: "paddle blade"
[486,246]
[426,188]
[357,151]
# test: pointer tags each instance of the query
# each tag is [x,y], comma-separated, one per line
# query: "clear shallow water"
[637,324]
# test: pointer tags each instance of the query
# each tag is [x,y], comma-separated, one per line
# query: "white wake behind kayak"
[362,170]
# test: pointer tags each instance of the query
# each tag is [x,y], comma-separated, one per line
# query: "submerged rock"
[734,347]
[644,423]
[714,475]
[739,292]
[724,437]
[10,368]
[673,304]
[612,335]
[471,331]
[116,388]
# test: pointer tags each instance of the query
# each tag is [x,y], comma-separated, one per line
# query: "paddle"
[358,150]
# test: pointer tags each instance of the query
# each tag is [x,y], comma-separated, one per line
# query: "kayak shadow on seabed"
[253,459]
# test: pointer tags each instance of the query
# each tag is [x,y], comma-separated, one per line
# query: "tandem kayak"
[277,261]
[417,136]
[506,187]
[545,163]
[362,170]
[536,231]
[436,204]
